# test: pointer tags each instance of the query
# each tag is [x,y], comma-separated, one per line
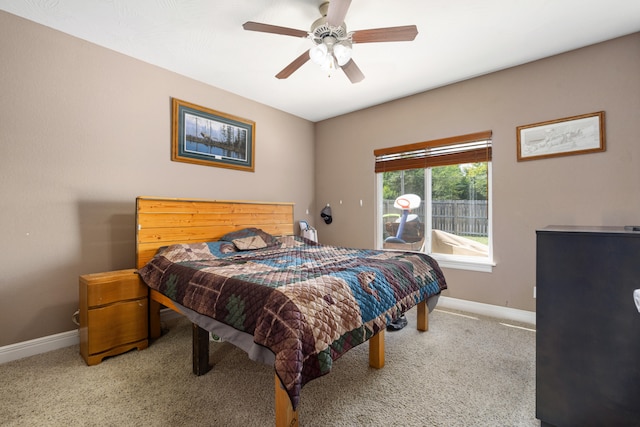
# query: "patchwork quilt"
[308,303]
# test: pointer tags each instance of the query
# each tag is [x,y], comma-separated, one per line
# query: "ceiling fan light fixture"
[342,52]
[329,65]
[318,53]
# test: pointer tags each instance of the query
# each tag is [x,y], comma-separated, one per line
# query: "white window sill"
[464,263]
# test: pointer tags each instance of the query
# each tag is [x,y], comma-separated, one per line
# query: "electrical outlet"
[534,292]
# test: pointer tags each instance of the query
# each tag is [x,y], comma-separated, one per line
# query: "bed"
[236,269]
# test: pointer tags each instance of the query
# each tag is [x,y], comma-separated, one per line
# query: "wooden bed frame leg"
[376,350]
[285,415]
[200,344]
[423,316]
[155,329]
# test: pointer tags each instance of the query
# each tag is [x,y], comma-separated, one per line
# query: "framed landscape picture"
[562,137]
[207,137]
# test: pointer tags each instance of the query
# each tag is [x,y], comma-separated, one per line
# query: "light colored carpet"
[462,372]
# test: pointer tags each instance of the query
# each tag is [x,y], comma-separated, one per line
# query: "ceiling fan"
[331,42]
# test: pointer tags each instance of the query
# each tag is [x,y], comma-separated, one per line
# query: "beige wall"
[83,131]
[593,189]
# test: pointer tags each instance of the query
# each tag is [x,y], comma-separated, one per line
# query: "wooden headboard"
[165,221]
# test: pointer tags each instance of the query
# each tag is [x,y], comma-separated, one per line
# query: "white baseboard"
[24,349]
[39,345]
[489,310]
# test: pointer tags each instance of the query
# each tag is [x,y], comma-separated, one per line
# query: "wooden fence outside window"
[460,217]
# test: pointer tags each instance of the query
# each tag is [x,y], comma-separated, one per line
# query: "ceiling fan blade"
[353,72]
[291,68]
[274,29]
[337,11]
[391,34]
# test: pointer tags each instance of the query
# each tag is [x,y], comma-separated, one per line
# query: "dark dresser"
[588,327]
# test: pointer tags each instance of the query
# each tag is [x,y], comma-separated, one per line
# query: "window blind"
[470,148]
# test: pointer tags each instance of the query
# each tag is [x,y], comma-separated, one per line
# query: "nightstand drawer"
[113,286]
[117,324]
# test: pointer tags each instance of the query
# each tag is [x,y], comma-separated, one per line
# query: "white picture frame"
[562,137]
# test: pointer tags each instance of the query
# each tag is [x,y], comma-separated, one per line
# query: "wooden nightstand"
[113,314]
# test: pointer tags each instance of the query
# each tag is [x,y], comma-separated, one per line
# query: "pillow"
[249,243]
[267,239]
[222,249]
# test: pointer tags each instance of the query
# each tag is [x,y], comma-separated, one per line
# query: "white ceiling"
[457,40]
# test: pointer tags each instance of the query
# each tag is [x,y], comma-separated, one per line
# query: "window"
[434,196]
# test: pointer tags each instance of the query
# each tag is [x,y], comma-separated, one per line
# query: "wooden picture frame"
[562,137]
[207,137]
